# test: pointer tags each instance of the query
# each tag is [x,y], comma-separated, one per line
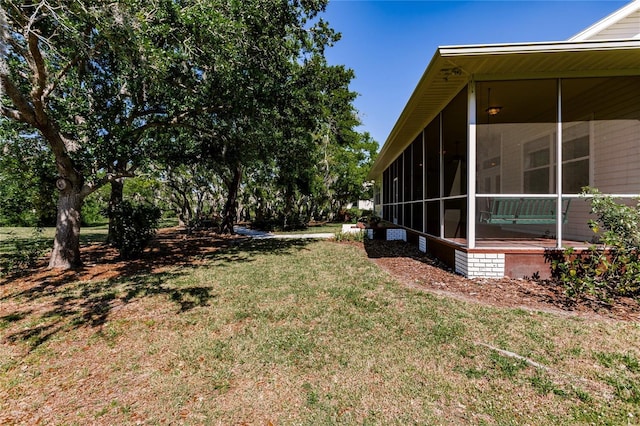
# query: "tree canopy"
[108,89]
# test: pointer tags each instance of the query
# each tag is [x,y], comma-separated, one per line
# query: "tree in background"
[194,192]
[348,169]
[279,79]
[72,73]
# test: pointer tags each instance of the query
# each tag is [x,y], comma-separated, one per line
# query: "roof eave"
[539,47]
[479,53]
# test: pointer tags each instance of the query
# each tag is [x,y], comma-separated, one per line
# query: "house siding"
[628,27]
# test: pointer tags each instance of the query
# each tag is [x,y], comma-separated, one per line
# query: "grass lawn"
[29,236]
[319,229]
[300,332]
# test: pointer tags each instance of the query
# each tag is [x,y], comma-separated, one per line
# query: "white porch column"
[471,165]
[441,159]
[559,169]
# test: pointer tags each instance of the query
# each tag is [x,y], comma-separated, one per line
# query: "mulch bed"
[421,271]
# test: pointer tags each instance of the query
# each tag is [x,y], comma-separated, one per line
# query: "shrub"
[348,215]
[133,226]
[611,268]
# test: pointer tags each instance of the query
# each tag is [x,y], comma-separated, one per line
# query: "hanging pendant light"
[492,109]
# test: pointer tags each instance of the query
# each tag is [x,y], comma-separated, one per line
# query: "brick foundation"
[480,265]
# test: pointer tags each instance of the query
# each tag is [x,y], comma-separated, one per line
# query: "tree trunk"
[231,205]
[288,207]
[117,187]
[66,246]
[186,214]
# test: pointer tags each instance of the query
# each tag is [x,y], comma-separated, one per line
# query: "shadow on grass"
[93,237]
[49,302]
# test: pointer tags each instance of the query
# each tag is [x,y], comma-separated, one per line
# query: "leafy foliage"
[290,192]
[27,174]
[94,208]
[611,268]
[195,193]
[134,225]
[89,82]
[222,87]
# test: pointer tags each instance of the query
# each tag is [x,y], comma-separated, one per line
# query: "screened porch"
[503,163]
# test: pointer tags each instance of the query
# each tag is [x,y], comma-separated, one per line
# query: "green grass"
[325,228]
[31,236]
[300,332]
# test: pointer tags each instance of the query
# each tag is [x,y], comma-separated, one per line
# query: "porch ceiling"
[452,67]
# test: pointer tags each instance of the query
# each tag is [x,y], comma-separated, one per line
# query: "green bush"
[132,227]
[611,268]
[354,213]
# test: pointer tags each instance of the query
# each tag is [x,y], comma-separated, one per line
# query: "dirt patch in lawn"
[421,271]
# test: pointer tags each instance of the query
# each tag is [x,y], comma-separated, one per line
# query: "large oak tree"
[84,77]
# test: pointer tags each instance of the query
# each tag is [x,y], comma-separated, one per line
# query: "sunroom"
[485,165]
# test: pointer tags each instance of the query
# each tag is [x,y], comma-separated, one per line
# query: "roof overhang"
[452,67]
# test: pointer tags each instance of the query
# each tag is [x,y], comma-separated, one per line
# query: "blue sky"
[389,43]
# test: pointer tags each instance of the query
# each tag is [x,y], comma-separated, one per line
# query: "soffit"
[452,67]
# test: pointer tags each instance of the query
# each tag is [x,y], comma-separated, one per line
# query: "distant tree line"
[214,109]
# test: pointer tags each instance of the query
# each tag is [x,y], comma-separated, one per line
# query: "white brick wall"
[422,244]
[396,234]
[480,265]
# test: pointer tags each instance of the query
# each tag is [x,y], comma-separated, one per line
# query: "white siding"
[628,27]
[621,24]
[616,156]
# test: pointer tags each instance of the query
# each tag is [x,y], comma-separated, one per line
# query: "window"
[539,162]
[432,144]
[515,149]
[537,169]
[607,111]
[575,157]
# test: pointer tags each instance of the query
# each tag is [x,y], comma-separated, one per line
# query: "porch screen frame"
[472,167]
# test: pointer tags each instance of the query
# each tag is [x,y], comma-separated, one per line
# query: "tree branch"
[89,188]
[11,113]
[24,112]
[173,123]
[72,63]
[39,78]
[139,114]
